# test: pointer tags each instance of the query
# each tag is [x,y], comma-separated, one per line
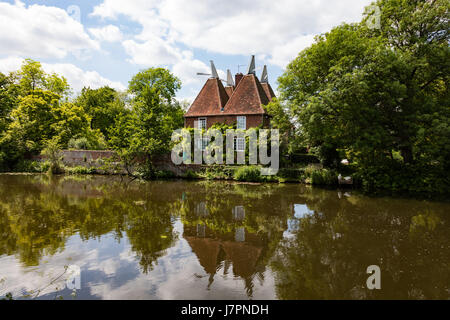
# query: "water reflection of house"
[241,250]
[201,210]
[238,213]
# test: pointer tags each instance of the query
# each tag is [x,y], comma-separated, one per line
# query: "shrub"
[248,173]
[395,177]
[165,174]
[52,151]
[27,166]
[90,141]
[79,170]
[79,144]
[218,172]
[304,158]
[190,175]
[317,176]
[45,166]
[289,174]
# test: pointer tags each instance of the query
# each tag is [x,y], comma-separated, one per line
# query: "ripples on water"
[216,240]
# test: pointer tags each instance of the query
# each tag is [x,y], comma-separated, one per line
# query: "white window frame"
[241,122]
[203,143]
[239,142]
[200,126]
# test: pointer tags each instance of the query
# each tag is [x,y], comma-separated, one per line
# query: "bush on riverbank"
[248,174]
[399,178]
[316,176]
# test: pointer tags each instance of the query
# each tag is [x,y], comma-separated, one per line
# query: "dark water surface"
[216,240]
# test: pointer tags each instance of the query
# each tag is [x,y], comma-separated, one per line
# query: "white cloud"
[154,51]
[109,33]
[76,77]
[283,54]
[79,78]
[41,31]
[278,29]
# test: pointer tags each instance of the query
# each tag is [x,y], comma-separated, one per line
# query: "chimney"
[238,77]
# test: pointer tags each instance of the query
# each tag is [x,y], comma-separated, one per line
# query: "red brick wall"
[252,120]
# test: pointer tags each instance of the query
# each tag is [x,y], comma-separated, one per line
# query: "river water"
[215,240]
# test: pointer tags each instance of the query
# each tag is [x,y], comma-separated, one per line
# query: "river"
[215,240]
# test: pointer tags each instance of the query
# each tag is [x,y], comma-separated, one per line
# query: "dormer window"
[241,123]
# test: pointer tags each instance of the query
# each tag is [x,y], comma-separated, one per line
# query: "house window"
[241,123]
[239,144]
[201,123]
[202,143]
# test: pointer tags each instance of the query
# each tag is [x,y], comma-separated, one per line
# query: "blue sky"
[105,42]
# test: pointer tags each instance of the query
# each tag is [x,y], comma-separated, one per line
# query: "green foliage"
[368,95]
[91,140]
[9,92]
[102,105]
[393,176]
[290,142]
[79,170]
[190,175]
[218,173]
[34,108]
[79,144]
[25,165]
[248,173]
[289,174]
[164,174]
[31,77]
[52,151]
[146,132]
[304,158]
[316,176]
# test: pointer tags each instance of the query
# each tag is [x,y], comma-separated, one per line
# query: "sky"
[95,43]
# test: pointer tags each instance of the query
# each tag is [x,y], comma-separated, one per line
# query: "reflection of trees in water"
[238,230]
[37,216]
[230,229]
[328,255]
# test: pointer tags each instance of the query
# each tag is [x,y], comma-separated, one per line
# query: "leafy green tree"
[103,105]
[282,120]
[369,94]
[155,114]
[35,109]
[52,151]
[31,77]
[33,121]
[8,99]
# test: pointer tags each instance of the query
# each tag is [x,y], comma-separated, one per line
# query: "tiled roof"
[268,90]
[211,99]
[229,90]
[247,98]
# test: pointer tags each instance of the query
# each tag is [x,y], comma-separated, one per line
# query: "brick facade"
[251,120]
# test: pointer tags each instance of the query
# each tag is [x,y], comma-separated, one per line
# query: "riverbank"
[312,175]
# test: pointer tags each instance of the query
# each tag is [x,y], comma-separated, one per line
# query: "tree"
[8,99]
[52,151]
[33,121]
[155,114]
[34,110]
[281,120]
[31,77]
[103,105]
[369,94]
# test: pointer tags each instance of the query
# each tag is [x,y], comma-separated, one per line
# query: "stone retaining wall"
[93,159]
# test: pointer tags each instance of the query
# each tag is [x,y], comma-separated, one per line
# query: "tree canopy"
[377,96]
